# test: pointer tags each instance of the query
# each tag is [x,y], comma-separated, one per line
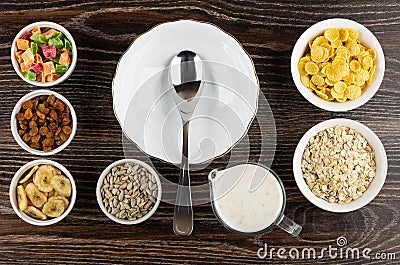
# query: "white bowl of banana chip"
[42,192]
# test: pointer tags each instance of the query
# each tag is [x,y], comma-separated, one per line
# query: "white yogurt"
[247,197]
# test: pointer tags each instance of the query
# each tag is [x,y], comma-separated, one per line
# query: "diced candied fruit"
[37,68]
[65,59]
[22,44]
[49,51]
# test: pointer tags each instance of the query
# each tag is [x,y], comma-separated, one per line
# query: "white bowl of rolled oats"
[340,165]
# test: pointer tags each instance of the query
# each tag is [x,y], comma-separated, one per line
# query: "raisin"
[32,124]
[35,102]
[21,132]
[53,127]
[51,99]
[28,114]
[59,142]
[40,115]
[35,145]
[27,104]
[58,105]
[34,131]
[26,137]
[50,135]
[43,130]
[47,148]
[48,142]
[35,138]
[22,126]
[53,114]
[20,116]
[63,136]
[35,117]
[67,130]
[66,118]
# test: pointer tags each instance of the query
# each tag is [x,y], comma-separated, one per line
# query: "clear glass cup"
[228,182]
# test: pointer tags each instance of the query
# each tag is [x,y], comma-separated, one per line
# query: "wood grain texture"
[103,30]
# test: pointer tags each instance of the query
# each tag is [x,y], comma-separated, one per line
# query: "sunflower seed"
[129,191]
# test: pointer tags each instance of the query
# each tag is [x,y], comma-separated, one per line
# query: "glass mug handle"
[289,226]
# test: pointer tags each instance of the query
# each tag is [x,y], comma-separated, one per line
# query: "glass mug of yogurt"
[249,199]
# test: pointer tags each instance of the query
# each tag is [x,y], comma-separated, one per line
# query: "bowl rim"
[50,25]
[13,190]
[302,185]
[204,23]
[328,105]
[17,108]
[100,198]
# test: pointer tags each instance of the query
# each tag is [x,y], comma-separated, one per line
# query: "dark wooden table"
[103,30]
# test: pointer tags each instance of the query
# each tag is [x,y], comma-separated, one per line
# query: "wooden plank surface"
[103,30]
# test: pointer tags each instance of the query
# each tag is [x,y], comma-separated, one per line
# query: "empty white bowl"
[145,107]
[21,173]
[14,126]
[100,197]
[49,25]
[375,185]
[366,37]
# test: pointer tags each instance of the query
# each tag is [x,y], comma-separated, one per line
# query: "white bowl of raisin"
[43,122]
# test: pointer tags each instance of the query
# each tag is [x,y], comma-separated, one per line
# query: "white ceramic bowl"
[374,187]
[147,112]
[366,37]
[49,25]
[22,172]
[14,128]
[100,198]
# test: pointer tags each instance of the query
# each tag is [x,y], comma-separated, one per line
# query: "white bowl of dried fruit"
[340,165]
[42,192]
[128,191]
[43,122]
[337,64]
[44,54]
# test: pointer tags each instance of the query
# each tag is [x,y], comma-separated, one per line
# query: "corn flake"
[343,34]
[336,66]
[331,34]
[318,80]
[311,68]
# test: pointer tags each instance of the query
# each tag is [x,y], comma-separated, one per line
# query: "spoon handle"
[183,214]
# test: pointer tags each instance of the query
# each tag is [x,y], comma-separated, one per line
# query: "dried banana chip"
[62,185]
[43,176]
[21,198]
[36,197]
[35,213]
[29,175]
[54,208]
[59,197]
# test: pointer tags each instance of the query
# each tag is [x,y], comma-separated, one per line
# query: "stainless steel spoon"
[186,75]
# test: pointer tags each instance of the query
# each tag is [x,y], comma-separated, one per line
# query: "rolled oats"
[338,164]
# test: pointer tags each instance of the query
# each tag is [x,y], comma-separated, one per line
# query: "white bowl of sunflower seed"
[337,64]
[42,192]
[129,191]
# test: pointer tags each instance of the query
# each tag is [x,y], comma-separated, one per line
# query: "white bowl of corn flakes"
[337,64]
[44,54]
